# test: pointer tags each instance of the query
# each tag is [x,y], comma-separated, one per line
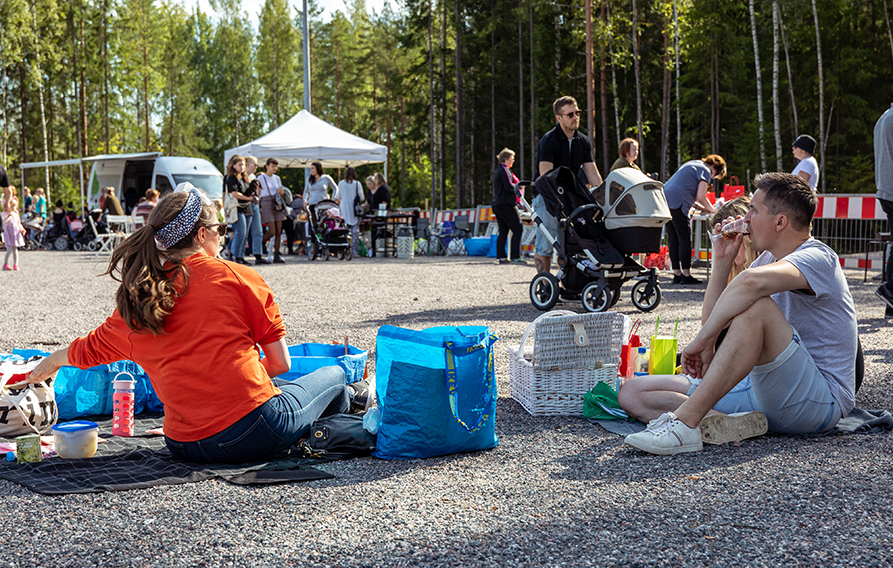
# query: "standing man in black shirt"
[561,146]
[5,185]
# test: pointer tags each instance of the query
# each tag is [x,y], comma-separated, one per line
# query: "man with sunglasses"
[561,146]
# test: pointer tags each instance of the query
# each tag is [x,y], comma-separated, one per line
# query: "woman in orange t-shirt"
[220,403]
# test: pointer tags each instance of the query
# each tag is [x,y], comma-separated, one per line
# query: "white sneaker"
[723,428]
[667,435]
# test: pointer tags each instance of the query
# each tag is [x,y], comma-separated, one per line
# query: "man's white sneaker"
[667,435]
[723,428]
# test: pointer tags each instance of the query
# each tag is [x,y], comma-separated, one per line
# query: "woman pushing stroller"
[221,404]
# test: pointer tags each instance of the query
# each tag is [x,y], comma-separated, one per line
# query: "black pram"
[594,258]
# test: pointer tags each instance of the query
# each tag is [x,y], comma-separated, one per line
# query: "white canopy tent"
[305,139]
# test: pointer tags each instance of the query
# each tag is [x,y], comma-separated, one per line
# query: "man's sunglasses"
[574,114]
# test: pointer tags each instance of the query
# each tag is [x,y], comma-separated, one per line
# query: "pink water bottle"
[122,403]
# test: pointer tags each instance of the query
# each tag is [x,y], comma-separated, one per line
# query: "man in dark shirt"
[561,146]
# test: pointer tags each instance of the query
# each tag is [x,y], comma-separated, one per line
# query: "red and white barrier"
[859,206]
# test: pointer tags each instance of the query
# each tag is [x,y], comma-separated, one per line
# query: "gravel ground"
[555,492]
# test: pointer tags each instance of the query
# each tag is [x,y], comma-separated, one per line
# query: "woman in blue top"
[687,188]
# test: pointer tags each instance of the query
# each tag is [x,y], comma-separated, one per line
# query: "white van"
[133,174]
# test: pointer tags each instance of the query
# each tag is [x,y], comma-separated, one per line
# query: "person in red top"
[197,324]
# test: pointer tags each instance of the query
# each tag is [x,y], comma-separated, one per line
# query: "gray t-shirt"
[682,188]
[883,155]
[826,321]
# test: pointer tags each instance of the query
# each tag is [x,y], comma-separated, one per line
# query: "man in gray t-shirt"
[883,173]
[787,362]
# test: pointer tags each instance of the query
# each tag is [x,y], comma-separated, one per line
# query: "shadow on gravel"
[872,325]
[513,312]
[611,460]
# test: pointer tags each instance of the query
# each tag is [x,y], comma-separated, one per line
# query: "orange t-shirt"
[206,366]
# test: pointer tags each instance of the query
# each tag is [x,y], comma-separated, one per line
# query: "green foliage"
[209,83]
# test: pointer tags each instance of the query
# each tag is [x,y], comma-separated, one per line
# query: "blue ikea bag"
[88,392]
[437,391]
[308,357]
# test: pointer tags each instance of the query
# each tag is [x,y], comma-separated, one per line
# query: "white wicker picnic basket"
[570,354]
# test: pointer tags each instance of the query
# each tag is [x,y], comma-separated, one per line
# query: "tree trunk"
[818,47]
[521,152]
[532,120]
[146,81]
[76,62]
[590,77]
[493,85]
[665,110]
[431,103]
[759,82]
[775,109]
[460,106]
[787,59]
[678,106]
[83,94]
[43,119]
[639,132]
[443,107]
[105,76]
[613,76]
[603,78]
[889,31]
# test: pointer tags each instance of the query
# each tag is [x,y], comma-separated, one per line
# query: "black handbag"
[338,437]
[357,204]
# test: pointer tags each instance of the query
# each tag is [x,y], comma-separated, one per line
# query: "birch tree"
[759,82]
[775,111]
[818,47]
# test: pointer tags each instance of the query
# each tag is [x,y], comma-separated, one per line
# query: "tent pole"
[81,177]
[306,33]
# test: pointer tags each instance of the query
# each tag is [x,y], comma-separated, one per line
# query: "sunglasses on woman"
[220,227]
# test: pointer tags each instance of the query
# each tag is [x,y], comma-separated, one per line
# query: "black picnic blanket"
[858,421]
[144,461]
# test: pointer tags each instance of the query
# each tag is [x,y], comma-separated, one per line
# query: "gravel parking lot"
[554,492]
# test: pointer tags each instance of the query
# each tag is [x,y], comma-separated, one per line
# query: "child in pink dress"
[13,232]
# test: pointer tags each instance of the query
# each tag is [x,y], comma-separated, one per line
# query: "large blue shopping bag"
[437,391]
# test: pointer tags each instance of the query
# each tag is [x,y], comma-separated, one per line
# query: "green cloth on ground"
[601,404]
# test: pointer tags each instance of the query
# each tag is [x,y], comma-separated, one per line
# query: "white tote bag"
[25,409]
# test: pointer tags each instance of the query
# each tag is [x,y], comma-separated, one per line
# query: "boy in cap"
[808,168]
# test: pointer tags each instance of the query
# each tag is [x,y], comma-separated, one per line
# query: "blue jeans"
[275,425]
[255,231]
[237,245]
[543,247]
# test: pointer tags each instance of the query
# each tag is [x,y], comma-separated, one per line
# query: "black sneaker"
[241,260]
[884,294]
[677,278]
[503,261]
[359,396]
[689,280]
[258,259]
[278,259]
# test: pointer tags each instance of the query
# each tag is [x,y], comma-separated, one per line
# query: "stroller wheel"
[92,246]
[348,254]
[644,298]
[544,291]
[77,246]
[324,252]
[341,254]
[61,243]
[595,298]
[312,250]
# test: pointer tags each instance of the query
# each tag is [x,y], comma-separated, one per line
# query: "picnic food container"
[76,439]
[122,405]
[571,353]
[28,448]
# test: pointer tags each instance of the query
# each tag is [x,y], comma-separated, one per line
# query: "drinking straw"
[634,329]
[656,324]
[675,329]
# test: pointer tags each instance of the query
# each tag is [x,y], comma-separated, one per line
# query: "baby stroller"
[33,223]
[597,234]
[328,234]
